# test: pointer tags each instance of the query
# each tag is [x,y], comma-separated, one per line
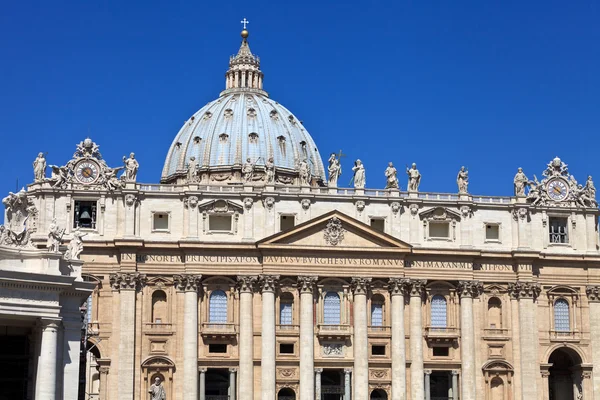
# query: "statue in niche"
[304,173]
[414,178]
[157,390]
[131,168]
[248,170]
[39,168]
[392,177]
[192,171]
[55,235]
[270,171]
[462,180]
[360,178]
[334,169]
[75,246]
[520,182]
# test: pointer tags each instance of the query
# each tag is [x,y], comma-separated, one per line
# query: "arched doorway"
[379,394]
[565,381]
[286,394]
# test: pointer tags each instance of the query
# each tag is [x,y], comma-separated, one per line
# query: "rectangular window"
[376,314]
[286,348]
[441,351]
[378,224]
[85,214]
[217,348]
[492,232]
[285,313]
[378,350]
[558,230]
[219,223]
[160,221]
[286,222]
[439,230]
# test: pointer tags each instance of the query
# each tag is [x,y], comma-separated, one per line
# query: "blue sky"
[492,85]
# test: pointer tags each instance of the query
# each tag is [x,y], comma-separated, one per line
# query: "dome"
[242,126]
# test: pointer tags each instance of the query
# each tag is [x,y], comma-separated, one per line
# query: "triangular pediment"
[335,231]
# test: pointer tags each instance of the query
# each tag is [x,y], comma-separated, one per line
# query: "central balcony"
[218,331]
[339,332]
[287,330]
[435,334]
[158,328]
[380,331]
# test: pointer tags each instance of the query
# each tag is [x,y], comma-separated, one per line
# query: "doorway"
[286,394]
[440,385]
[332,384]
[14,363]
[379,394]
[565,376]
[217,384]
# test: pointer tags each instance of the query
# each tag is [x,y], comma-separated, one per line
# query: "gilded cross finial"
[244,22]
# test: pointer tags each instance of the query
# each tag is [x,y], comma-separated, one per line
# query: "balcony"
[158,328]
[435,334]
[218,331]
[287,330]
[339,332]
[495,333]
[565,336]
[380,331]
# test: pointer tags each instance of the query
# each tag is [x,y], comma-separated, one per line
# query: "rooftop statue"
[414,178]
[39,168]
[304,173]
[75,246]
[192,170]
[55,235]
[60,176]
[131,168]
[334,169]
[520,183]
[462,180]
[392,177]
[270,171]
[248,170]
[360,178]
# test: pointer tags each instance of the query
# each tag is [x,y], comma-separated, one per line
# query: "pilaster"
[593,294]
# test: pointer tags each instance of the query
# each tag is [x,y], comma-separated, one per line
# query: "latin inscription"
[334,261]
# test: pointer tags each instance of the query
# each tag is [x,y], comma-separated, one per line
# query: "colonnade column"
[189,284]
[47,361]
[246,338]
[126,284]
[428,384]
[397,287]
[267,363]
[318,372]
[347,386]
[417,290]
[202,383]
[232,388]
[454,385]
[467,290]
[360,345]
[527,293]
[593,293]
[306,285]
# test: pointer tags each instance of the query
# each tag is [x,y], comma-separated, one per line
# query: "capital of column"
[524,290]
[417,287]
[127,281]
[427,372]
[398,286]
[246,283]
[306,284]
[593,293]
[233,370]
[469,288]
[347,371]
[268,283]
[187,282]
[50,325]
[454,372]
[103,369]
[203,370]
[360,285]
[319,370]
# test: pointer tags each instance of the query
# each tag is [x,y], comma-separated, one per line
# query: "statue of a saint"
[360,178]
[39,168]
[590,188]
[521,182]
[131,168]
[248,171]
[60,176]
[157,391]
[414,178]
[192,171]
[55,235]
[392,178]
[75,246]
[110,179]
[334,169]
[462,180]
[304,173]
[270,171]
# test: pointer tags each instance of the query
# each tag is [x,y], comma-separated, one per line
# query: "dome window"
[253,137]
[223,137]
[251,112]
[274,116]
[292,120]
[177,145]
[207,115]
[197,139]
[228,113]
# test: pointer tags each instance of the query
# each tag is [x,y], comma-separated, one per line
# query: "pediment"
[220,207]
[439,214]
[335,231]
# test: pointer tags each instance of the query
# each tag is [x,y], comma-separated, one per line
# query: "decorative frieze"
[246,283]
[306,284]
[470,288]
[268,283]
[187,282]
[360,285]
[127,281]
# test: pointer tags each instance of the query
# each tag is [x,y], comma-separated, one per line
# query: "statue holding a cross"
[334,169]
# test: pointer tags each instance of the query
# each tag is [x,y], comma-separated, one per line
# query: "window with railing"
[377,310]
[562,322]
[217,305]
[286,307]
[558,230]
[332,309]
[438,311]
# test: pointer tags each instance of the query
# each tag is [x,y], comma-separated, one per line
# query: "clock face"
[87,172]
[558,189]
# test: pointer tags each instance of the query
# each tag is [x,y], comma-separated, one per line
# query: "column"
[318,372]
[202,384]
[467,290]
[126,284]
[360,344]
[71,354]
[427,384]
[516,342]
[347,393]
[397,287]
[246,338]
[528,333]
[267,362]
[232,389]
[306,285]
[103,389]
[189,284]
[454,385]
[46,378]
[593,293]
[417,290]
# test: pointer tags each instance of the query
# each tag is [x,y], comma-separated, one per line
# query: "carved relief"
[466,211]
[269,202]
[398,285]
[520,290]
[395,206]
[305,204]
[190,202]
[268,283]
[333,350]
[593,293]
[520,213]
[286,373]
[248,202]
[306,284]
[379,373]
[417,287]
[360,206]
[334,232]
[414,209]
[130,200]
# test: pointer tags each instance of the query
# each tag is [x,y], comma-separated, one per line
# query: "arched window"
[494,313]
[562,321]
[217,305]
[377,310]
[159,307]
[438,311]
[331,309]
[286,309]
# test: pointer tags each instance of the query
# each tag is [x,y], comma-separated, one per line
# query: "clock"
[87,172]
[558,189]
